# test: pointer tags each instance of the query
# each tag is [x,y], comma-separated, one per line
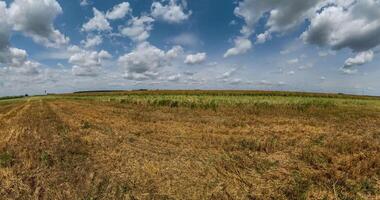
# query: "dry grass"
[144,146]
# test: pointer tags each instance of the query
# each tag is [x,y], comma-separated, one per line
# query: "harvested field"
[200,145]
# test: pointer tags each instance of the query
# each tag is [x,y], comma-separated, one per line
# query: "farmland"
[190,145]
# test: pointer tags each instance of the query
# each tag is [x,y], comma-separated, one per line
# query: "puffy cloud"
[145,60]
[186,39]
[17,60]
[17,57]
[174,52]
[35,19]
[138,28]
[336,26]
[242,45]
[92,41]
[119,11]
[84,3]
[263,37]
[5,29]
[283,16]
[174,78]
[194,59]
[172,13]
[98,23]
[87,63]
[13,58]
[360,59]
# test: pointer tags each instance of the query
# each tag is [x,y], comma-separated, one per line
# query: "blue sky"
[304,45]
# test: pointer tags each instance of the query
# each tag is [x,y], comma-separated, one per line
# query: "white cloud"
[304,67]
[360,59]
[145,61]
[242,45]
[172,13]
[186,39]
[263,37]
[13,59]
[35,19]
[348,71]
[119,11]
[336,26]
[84,3]
[293,61]
[228,74]
[269,83]
[92,41]
[87,63]
[98,23]
[138,28]
[174,52]
[283,16]
[5,31]
[174,78]
[17,61]
[194,59]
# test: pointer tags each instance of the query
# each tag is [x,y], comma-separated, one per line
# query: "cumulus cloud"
[13,59]
[174,78]
[336,26]
[186,39]
[98,23]
[84,3]
[5,29]
[360,59]
[35,19]
[87,63]
[172,13]
[92,41]
[333,24]
[283,16]
[138,28]
[242,45]
[263,37]
[17,61]
[119,11]
[174,52]
[194,59]
[145,61]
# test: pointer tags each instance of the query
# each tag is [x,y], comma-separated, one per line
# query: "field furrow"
[90,149]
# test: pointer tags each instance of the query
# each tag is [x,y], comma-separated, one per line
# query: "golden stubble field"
[70,148]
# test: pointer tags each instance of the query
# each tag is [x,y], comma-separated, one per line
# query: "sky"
[300,45]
